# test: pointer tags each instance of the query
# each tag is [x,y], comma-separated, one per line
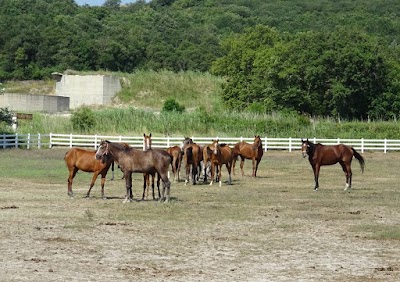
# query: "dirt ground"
[269,228]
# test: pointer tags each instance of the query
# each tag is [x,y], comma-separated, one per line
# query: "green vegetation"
[336,59]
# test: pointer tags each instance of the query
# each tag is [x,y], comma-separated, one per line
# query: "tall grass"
[130,121]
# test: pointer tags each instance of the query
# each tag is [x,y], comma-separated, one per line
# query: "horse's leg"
[229,168]
[242,164]
[128,185]
[316,169]
[233,164]
[205,170]
[146,184]
[219,166]
[112,170]
[166,188]
[194,172]
[212,169]
[72,173]
[187,170]
[158,185]
[347,171]
[95,174]
[253,160]
[152,186]
[257,163]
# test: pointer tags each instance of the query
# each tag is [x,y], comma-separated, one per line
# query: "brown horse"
[176,153]
[319,155]
[80,159]
[146,176]
[132,160]
[218,154]
[192,157]
[248,151]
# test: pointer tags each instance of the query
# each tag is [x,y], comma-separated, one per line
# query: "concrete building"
[28,103]
[87,89]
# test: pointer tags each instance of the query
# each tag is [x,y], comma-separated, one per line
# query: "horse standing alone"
[248,151]
[319,155]
[80,159]
[132,160]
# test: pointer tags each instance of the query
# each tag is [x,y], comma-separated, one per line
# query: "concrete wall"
[18,102]
[87,89]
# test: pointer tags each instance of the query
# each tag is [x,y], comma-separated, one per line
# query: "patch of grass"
[378,231]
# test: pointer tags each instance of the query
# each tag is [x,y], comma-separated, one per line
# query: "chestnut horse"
[146,176]
[80,159]
[176,153]
[319,155]
[218,154]
[248,151]
[192,157]
[132,160]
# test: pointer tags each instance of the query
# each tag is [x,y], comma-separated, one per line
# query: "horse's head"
[214,146]
[257,141]
[146,141]
[305,147]
[186,141]
[102,150]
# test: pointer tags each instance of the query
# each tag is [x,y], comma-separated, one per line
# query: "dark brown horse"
[319,155]
[132,160]
[218,155]
[245,150]
[146,176]
[176,153]
[192,157]
[80,159]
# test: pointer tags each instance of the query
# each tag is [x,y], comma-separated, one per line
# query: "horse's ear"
[150,135]
[302,141]
[307,139]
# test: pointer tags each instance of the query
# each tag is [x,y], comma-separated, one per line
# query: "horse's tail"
[359,158]
[189,153]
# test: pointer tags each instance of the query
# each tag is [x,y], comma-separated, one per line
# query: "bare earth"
[271,228]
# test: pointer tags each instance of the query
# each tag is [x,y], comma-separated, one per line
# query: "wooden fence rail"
[50,140]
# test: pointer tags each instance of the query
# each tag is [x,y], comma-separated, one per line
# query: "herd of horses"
[206,160]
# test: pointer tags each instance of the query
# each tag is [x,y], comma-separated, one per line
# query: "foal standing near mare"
[319,155]
[81,159]
[132,160]
[217,154]
[248,151]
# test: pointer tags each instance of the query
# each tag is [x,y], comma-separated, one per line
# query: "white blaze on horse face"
[304,148]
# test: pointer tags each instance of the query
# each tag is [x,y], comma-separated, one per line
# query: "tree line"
[331,58]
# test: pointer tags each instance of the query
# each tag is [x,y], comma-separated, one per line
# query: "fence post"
[95,141]
[70,140]
[28,146]
[290,144]
[362,145]
[51,140]
[266,143]
[16,140]
[338,140]
[385,148]
[39,141]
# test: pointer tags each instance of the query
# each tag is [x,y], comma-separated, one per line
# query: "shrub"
[171,105]
[83,119]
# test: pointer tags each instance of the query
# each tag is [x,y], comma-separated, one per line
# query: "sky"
[99,2]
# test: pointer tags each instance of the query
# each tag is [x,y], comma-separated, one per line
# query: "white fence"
[71,140]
